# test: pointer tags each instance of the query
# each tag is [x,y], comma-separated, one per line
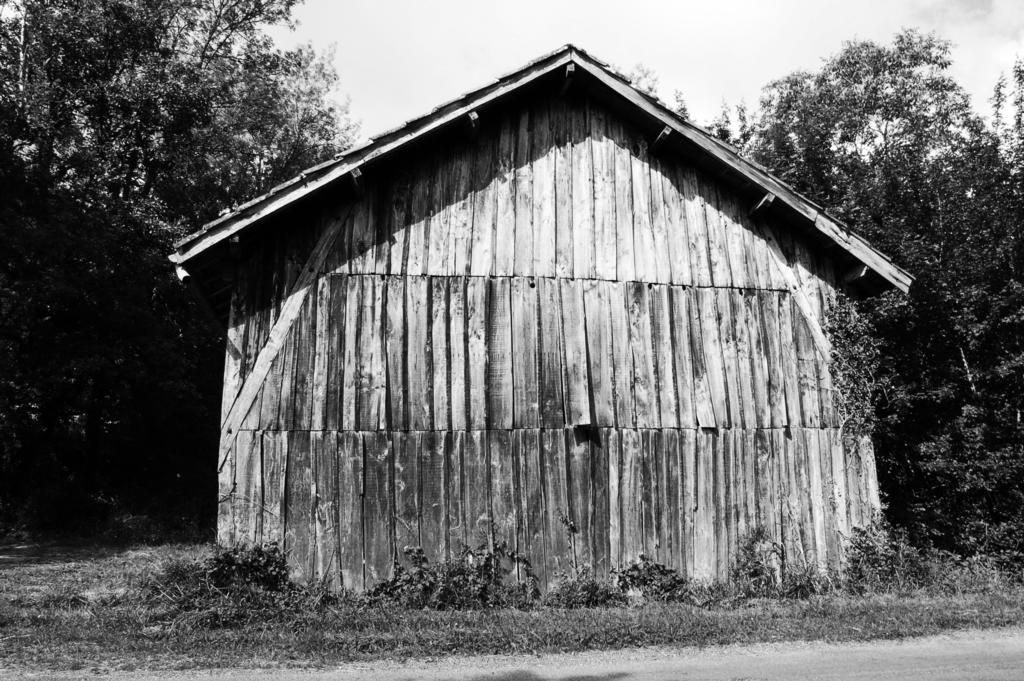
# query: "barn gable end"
[540,310]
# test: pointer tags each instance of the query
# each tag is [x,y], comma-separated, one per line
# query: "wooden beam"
[763,204]
[355,182]
[290,310]
[472,124]
[658,144]
[803,303]
[570,71]
[855,274]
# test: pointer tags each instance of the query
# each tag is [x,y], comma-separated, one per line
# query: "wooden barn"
[550,297]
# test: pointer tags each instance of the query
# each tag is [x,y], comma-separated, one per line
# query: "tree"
[885,138]
[123,125]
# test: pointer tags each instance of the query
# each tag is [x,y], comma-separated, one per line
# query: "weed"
[580,589]
[475,579]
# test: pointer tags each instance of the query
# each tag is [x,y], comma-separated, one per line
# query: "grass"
[80,610]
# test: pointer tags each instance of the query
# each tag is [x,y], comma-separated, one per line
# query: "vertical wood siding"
[543,322]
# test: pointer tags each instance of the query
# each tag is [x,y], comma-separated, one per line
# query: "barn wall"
[544,320]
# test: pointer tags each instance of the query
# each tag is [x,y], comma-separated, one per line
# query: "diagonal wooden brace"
[278,333]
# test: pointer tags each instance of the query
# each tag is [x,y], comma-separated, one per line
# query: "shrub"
[233,586]
[580,589]
[476,579]
[655,582]
[757,572]
[880,558]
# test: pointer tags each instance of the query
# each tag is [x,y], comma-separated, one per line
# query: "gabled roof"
[877,271]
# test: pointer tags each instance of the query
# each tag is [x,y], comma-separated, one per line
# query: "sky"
[397,59]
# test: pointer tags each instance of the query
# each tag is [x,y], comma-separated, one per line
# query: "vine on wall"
[854,365]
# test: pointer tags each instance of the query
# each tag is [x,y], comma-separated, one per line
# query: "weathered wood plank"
[461,216]
[704,403]
[321,354]
[484,205]
[418,240]
[505,206]
[551,353]
[234,360]
[583,241]
[457,353]
[378,507]
[678,233]
[275,462]
[325,492]
[599,351]
[370,400]
[476,350]
[670,544]
[350,509]
[557,549]
[599,502]
[433,496]
[561,128]
[664,357]
[612,440]
[718,245]
[579,501]
[524,204]
[477,500]
[660,223]
[604,195]
[704,542]
[499,355]
[645,251]
[679,327]
[420,380]
[226,496]
[299,533]
[688,499]
[723,535]
[361,255]
[502,479]
[439,249]
[622,364]
[544,239]
[625,265]
[765,318]
[531,515]
[696,226]
[577,380]
[350,364]
[455,484]
[644,383]
[730,356]
[630,494]
[439,353]
[405,448]
[248,481]
[525,395]
[397,219]
[744,359]
[397,351]
[817,499]
[806,370]
[305,333]
[714,360]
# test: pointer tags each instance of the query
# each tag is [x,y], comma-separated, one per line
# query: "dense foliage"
[884,137]
[123,125]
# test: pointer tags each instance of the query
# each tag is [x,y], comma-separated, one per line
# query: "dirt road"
[972,655]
